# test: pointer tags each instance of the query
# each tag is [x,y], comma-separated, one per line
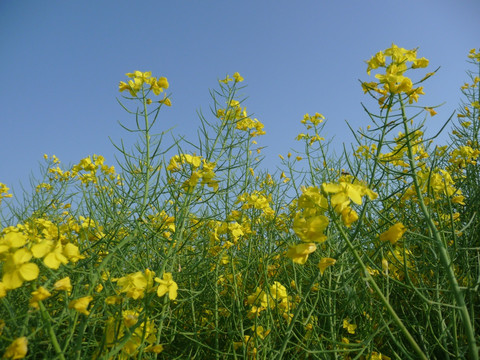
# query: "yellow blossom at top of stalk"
[139,79]
[236,77]
[474,54]
[393,81]
[4,192]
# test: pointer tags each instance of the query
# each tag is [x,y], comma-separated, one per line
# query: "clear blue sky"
[61,62]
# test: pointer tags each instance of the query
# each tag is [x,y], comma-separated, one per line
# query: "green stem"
[379,293]
[147,155]
[51,333]
[445,260]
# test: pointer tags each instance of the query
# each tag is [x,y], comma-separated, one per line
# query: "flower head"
[299,253]
[394,233]
[81,304]
[38,295]
[324,263]
[167,285]
[17,349]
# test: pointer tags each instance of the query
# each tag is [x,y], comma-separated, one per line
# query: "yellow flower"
[420,63]
[52,253]
[17,269]
[17,349]
[166,101]
[237,77]
[349,216]
[350,327]
[226,80]
[163,82]
[72,252]
[130,318]
[12,240]
[310,229]
[299,253]
[38,295]
[431,111]
[324,263]
[81,304]
[394,233]
[133,284]
[260,331]
[343,193]
[376,61]
[167,285]
[63,284]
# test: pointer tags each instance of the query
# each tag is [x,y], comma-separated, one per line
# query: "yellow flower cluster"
[85,171]
[435,184]
[139,79]
[225,234]
[275,297]
[311,122]
[257,200]
[463,156]
[17,250]
[393,81]
[200,168]
[135,285]
[474,54]
[4,192]
[236,77]
[235,113]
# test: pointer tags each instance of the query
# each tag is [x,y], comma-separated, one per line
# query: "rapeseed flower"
[134,285]
[80,305]
[38,295]
[17,349]
[17,269]
[349,327]
[4,192]
[167,285]
[63,284]
[299,253]
[349,216]
[324,263]
[393,80]
[394,233]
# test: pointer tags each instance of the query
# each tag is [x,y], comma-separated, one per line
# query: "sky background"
[61,62]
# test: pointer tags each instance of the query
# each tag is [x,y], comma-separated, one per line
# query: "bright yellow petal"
[172,291]
[29,271]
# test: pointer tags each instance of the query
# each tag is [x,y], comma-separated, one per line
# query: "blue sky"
[61,62]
